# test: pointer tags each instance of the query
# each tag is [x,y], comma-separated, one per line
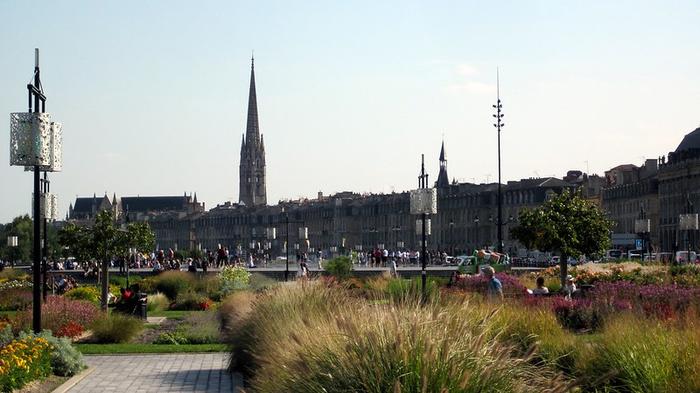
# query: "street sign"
[638,244]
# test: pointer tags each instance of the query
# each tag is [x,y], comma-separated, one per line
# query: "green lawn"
[106,349]
[171,314]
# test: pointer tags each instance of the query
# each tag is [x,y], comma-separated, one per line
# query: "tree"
[103,241]
[566,223]
[21,227]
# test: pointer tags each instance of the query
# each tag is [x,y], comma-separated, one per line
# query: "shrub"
[66,361]
[261,282]
[6,335]
[57,312]
[191,301]
[71,329]
[16,298]
[200,328]
[339,267]
[233,279]
[22,361]
[577,314]
[319,339]
[10,274]
[157,302]
[512,288]
[148,285]
[399,289]
[120,281]
[210,286]
[116,328]
[171,338]
[639,355]
[234,309]
[89,293]
[172,283]
[536,327]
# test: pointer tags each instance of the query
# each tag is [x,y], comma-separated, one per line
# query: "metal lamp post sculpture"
[423,202]
[642,226]
[688,222]
[12,242]
[35,143]
[498,126]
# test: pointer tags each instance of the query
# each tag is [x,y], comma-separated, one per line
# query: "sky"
[153,95]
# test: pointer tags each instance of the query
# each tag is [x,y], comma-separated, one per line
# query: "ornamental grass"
[315,338]
[22,361]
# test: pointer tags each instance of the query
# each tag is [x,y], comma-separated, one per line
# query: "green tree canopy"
[104,240]
[566,223]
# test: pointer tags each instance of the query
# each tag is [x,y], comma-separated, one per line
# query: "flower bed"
[23,361]
[58,313]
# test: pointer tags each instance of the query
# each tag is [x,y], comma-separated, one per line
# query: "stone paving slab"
[196,372]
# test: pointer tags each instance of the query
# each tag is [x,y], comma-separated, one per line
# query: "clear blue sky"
[153,95]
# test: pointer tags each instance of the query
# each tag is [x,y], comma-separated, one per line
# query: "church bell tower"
[252,190]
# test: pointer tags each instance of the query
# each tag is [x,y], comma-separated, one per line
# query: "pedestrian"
[495,288]
[570,287]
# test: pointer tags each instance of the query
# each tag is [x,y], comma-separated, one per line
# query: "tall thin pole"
[423,183]
[286,247]
[498,126]
[36,290]
[45,259]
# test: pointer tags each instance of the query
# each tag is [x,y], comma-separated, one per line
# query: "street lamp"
[688,222]
[35,143]
[499,124]
[642,226]
[12,242]
[452,246]
[476,223]
[423,201]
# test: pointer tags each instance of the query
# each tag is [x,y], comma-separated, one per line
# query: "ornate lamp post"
[642,226]
[423,202]
[688,222]
[35,143]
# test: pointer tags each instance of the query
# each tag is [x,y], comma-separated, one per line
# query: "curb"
[66,386]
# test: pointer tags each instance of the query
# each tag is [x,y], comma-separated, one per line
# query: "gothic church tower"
[252,190]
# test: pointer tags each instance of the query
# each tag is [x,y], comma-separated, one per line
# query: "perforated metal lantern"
[688,222]
[12,241]
[642,226]
[30,139]
[424,201]
[48,206]
[419,227]
[55,150]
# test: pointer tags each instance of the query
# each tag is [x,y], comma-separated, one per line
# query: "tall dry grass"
[636,354]
[318,339]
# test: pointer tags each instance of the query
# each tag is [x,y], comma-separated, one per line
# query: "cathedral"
[252,191]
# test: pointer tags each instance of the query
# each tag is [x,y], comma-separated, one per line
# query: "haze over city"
[153,99]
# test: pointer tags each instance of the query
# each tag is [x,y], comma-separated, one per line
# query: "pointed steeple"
[252,131]
[242,143]
[195,198]
[262,143]
[114,199]
[443,180]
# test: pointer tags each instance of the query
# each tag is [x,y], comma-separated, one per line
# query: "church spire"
[252,131]
[443,180]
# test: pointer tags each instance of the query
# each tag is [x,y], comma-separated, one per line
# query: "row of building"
[659,190]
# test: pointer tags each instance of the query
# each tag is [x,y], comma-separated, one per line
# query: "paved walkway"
[204,372]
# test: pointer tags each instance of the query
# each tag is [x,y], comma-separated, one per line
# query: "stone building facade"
[679,193]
